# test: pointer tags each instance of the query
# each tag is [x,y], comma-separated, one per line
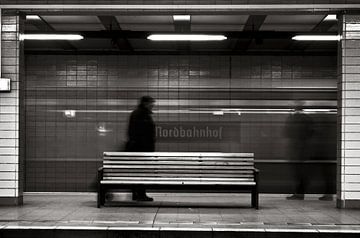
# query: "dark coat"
[141,131]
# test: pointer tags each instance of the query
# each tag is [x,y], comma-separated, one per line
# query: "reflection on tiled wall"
[78,106]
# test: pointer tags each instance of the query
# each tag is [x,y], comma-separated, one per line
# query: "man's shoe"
[134,197]
[326,197]
[145,199]
[296,197]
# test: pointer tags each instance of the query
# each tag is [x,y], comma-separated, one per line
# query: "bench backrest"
[178,165]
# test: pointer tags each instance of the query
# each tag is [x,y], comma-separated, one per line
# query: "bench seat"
[178,170]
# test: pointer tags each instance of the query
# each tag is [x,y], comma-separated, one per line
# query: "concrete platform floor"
[180,211]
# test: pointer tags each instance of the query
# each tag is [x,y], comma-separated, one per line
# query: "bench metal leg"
[255,198]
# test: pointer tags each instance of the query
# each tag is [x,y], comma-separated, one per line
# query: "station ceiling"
[247,34]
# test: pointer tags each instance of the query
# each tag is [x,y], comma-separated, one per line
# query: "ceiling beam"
[238,8]
[252,25]
[183,27]
[112,25]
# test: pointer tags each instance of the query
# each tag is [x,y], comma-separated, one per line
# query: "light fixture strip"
[181,17]
[186,37]
[51,37]
[317,37]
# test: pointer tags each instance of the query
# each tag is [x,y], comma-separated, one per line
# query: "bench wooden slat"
[178,178]
[176,159]
[239,175]
[178,154]
[199,182]
[226,163]
[179,167]
[177,171]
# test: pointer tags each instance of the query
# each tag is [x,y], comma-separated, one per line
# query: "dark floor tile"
[339,235]
[21,233]
[185,234]
[292,235]
[133,234]
[238,234]
[80,234]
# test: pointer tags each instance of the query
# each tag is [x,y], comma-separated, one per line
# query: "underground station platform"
[177,215]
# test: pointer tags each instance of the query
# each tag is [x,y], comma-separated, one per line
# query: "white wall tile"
[353,187]
[351,195]
[351,161]
[7,176]
[8,167]
[352,153]
[7,192]
[8,184]
[8,151]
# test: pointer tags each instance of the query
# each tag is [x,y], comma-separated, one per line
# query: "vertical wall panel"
[348,188]
[10,161]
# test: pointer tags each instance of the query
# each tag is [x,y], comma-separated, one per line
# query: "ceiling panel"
[293,19]
[78,27]
[287,27]
[216,28]
[291,22]
[147,27]
[71,19]
[145,19]
[219,19]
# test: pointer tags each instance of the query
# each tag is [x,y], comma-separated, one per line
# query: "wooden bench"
[231,172]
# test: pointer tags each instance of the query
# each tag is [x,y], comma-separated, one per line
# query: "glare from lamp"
[317,37]
[186,37]
[51,37]
[330,17]
[181,17]
[218,113]
[69,113]
[32,17]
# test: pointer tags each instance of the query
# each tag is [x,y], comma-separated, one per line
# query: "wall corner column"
[348,151]
[12,123]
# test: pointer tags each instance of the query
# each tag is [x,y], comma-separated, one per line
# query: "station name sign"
[189,132]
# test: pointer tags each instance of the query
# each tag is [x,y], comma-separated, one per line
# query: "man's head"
[147,102]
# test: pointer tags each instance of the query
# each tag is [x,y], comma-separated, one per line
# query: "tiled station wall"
[78,106]
[140,2]
[11,171]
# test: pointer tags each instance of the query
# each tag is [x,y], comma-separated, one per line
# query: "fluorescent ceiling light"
[185,37]
[330,17]
[218,113]
[32,17]
[181,17]
[317,37]
[51,37]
